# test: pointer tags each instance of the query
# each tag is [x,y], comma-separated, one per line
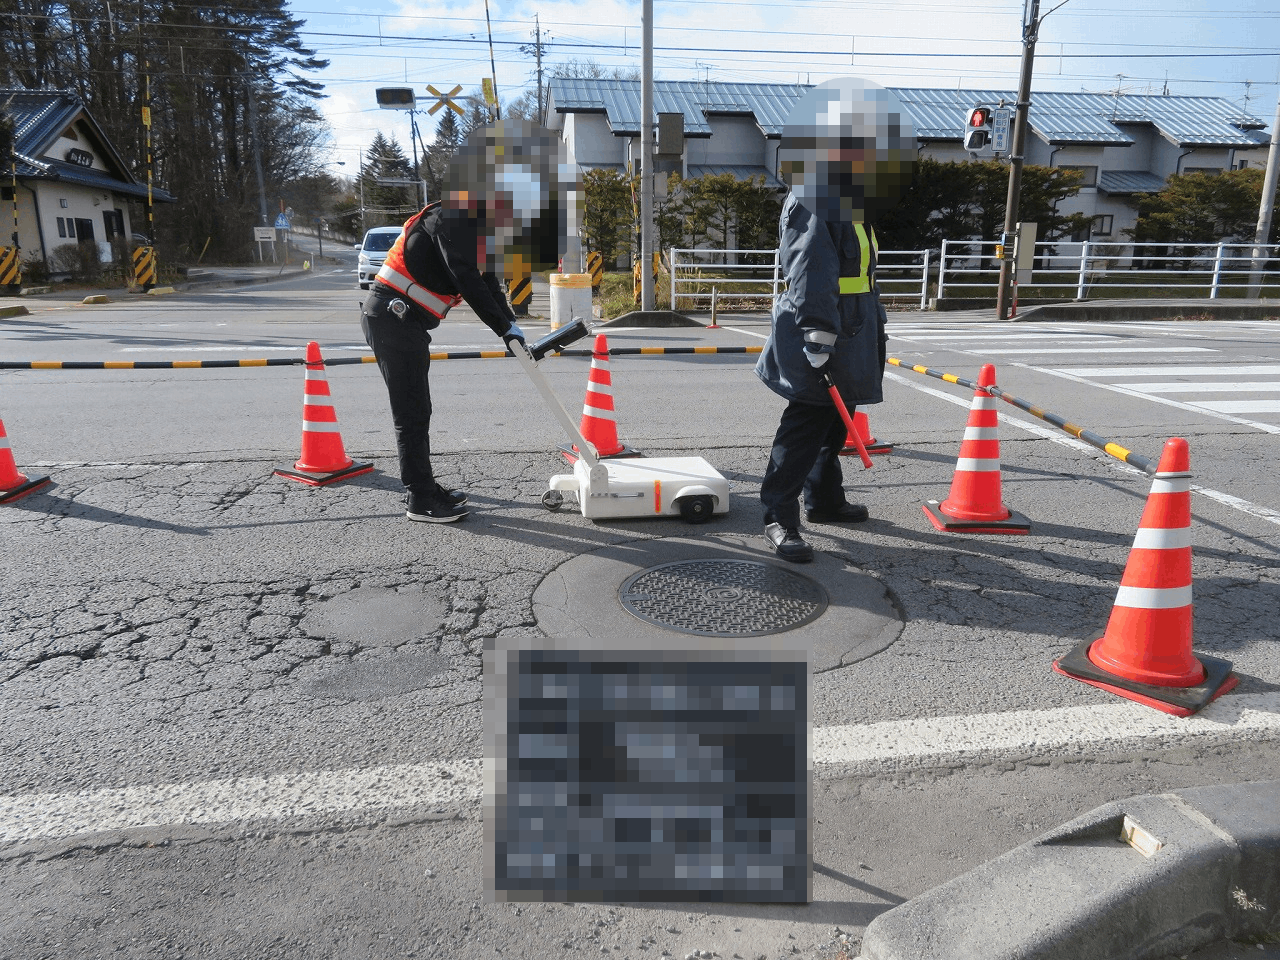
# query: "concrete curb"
[652,318]
[1082,893]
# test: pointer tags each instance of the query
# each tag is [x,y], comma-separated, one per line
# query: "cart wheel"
[696,509]
[553,500]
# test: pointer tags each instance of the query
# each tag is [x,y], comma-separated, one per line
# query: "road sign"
[1000,130]
[264,234]
[446,100]
[282,222]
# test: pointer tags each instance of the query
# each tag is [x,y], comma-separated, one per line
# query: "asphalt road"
[242,717]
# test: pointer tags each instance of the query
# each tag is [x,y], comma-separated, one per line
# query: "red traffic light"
[979,116]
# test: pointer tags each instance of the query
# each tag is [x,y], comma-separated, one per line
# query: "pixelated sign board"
[647,775]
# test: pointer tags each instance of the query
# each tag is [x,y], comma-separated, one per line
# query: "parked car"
[373,251]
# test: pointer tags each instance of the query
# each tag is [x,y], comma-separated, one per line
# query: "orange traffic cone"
[1145,652]
[870,443]
[598,426]
[974,505]
[323,460]
[14,485]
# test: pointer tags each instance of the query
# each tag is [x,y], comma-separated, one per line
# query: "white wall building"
[1125,145]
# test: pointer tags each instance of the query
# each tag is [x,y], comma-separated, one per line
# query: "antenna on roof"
[1166,83]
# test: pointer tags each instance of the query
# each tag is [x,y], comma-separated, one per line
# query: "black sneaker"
[433,509]
[456,497]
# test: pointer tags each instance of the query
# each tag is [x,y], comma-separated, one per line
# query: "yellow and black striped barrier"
[346,361]
[144,267]
[595,267]
[521,293]
[10,269]
[1123,454]
[635,274]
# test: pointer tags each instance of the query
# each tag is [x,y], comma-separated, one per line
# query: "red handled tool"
[848,419]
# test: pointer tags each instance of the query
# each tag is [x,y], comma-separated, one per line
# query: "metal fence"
[703,275]
[1089,267]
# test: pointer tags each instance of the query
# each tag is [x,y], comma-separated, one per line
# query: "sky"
[1189,47]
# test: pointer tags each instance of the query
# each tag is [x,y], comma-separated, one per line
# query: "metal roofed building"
[73,187]
[1123,144]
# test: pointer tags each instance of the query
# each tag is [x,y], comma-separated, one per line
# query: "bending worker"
[432,267]
[846,158]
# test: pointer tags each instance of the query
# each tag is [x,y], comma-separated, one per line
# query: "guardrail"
[1165,270]
[697,276]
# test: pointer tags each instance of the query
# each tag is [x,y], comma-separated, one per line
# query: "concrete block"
[1197,866]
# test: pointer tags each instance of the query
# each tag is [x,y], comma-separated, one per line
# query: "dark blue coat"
[814,256]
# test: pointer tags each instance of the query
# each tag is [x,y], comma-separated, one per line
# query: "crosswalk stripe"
[1255,386]
[1094,349]
[1225,370]
[1240,406]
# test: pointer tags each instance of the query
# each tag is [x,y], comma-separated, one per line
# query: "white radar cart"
[687,487]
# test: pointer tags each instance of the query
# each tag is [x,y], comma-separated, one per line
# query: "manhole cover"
[723,598]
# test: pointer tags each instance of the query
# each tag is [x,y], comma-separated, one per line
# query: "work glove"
[514,333]
[818,354]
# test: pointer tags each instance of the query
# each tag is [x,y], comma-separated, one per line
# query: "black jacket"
[442,251]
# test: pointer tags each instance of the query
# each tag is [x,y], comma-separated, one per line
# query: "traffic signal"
[396,98]
[977,128]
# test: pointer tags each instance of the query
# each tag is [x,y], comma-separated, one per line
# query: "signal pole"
[1030,27]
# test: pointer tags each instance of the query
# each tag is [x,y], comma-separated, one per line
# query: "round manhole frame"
[819,600]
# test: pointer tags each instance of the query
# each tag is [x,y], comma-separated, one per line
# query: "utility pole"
[646,158]
[1030,27]
[1265,209]
[537,39]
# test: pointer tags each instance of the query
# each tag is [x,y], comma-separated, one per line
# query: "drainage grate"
[723,598]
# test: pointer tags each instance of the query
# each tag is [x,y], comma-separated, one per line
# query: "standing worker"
[431,268]
[846,156]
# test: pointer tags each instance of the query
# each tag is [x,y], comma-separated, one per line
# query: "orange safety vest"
[395,275]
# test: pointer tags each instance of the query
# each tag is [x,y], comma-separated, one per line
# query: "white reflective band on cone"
[1154,598]
[1171,483]
[970,465]
[981,433]
[1157,538]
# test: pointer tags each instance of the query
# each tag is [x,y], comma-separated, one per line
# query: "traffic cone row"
[1145,652]
[975,504]
[599,426]
[14,485]
[323,459]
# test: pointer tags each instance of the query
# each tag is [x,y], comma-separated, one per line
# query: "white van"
[373,251]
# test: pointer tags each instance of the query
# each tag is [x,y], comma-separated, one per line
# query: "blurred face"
[847,150]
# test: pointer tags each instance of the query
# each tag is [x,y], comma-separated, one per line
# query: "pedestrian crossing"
[1175,364]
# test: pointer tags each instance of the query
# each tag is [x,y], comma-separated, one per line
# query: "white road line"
[1255,386]
[1240,406]
[870,749]
[1227,370]
[1128,392]
[1236,503]
[1094,349]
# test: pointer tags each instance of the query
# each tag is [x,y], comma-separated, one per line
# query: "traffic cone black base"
[876,446]
[570,452]
[23,489]
[323,479]
[1179,701]
[1015,523]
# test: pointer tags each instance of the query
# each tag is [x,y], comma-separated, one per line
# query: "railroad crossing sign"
[446,100]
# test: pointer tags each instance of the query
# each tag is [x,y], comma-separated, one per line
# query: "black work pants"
[403,349]
[805,458]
